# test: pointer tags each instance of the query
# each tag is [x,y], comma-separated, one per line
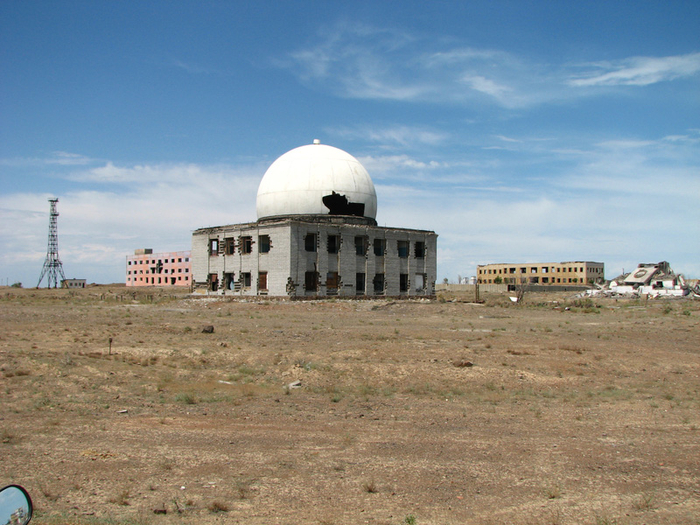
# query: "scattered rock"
[462,363]
[294,384]
[208,329]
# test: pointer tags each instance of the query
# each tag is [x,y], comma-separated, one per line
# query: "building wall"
[290,269]
[145,268]
[572,272]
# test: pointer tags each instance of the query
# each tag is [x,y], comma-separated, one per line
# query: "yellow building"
[572,272]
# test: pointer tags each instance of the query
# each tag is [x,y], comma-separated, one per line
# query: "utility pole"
[52,264]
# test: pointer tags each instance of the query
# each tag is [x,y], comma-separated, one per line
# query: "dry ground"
[582,415]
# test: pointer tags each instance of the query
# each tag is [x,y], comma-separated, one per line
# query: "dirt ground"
[117,409]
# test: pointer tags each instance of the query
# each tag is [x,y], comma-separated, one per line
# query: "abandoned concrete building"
[573,272]
[316,235]
[654,279]
[146,268]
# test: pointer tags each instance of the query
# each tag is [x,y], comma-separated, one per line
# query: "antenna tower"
[52,265]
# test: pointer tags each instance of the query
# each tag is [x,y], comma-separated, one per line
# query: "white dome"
[297,182]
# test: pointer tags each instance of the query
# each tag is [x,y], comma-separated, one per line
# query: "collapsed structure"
[316,235]
[652,279]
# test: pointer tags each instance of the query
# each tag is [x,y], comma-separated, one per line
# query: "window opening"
[229,246]
[419,249]
[379,247]
[213,247]
[310,242]
[332,283]
[333,243]
[264,243]
[403,282]
[246,245]
[361,243]
[311,281]
[378,283]
[360,283]
[402,247]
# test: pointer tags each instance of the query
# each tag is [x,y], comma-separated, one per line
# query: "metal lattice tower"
[52,265]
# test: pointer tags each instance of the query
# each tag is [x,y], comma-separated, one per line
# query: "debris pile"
[653,280]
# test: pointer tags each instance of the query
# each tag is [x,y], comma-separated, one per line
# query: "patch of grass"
[7,436]
[370,487]
[217,506]
[410,520]
[186,398]
[121,497]
[553,491]
[644,502]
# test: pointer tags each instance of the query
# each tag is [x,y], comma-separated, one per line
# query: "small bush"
[122,498]
[186,398]
[370,487]
[217,506]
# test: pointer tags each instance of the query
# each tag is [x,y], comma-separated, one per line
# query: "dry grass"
[587,415]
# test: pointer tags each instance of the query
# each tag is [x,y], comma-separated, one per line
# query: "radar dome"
[316,180]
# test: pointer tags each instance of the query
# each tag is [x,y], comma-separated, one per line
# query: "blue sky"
[519,131]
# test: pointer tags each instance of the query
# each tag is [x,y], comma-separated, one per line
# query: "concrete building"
[73,283]
[146,268]
[573,272]
[654,279]
[316,235]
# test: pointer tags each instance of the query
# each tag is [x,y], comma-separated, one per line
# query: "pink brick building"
[146,268]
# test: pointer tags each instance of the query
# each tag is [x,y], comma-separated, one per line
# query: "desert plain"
[119,408]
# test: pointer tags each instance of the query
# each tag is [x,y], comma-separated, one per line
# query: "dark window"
[246,245]
[310,242]
[311,281]
[361,245]
[333,243]
[402,247]
[360,283]
[420,249]
[264,243]
[213,282]
[245,279]
[379,247]
[378,283]
[403,282]
[229,246]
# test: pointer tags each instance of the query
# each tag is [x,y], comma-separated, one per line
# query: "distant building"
[573,272]
[316,236]
[146,268]
[652,279]
[73,283]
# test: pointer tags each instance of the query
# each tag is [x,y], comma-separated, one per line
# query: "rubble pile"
[653,280]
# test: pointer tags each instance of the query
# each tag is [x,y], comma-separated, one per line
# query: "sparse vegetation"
[485,408]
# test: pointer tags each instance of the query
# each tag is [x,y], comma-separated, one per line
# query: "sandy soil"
[408,412]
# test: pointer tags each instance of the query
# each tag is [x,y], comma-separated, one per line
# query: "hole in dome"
[338,204]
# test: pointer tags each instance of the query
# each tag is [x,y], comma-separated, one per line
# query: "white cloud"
[369,63]
[639,71]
